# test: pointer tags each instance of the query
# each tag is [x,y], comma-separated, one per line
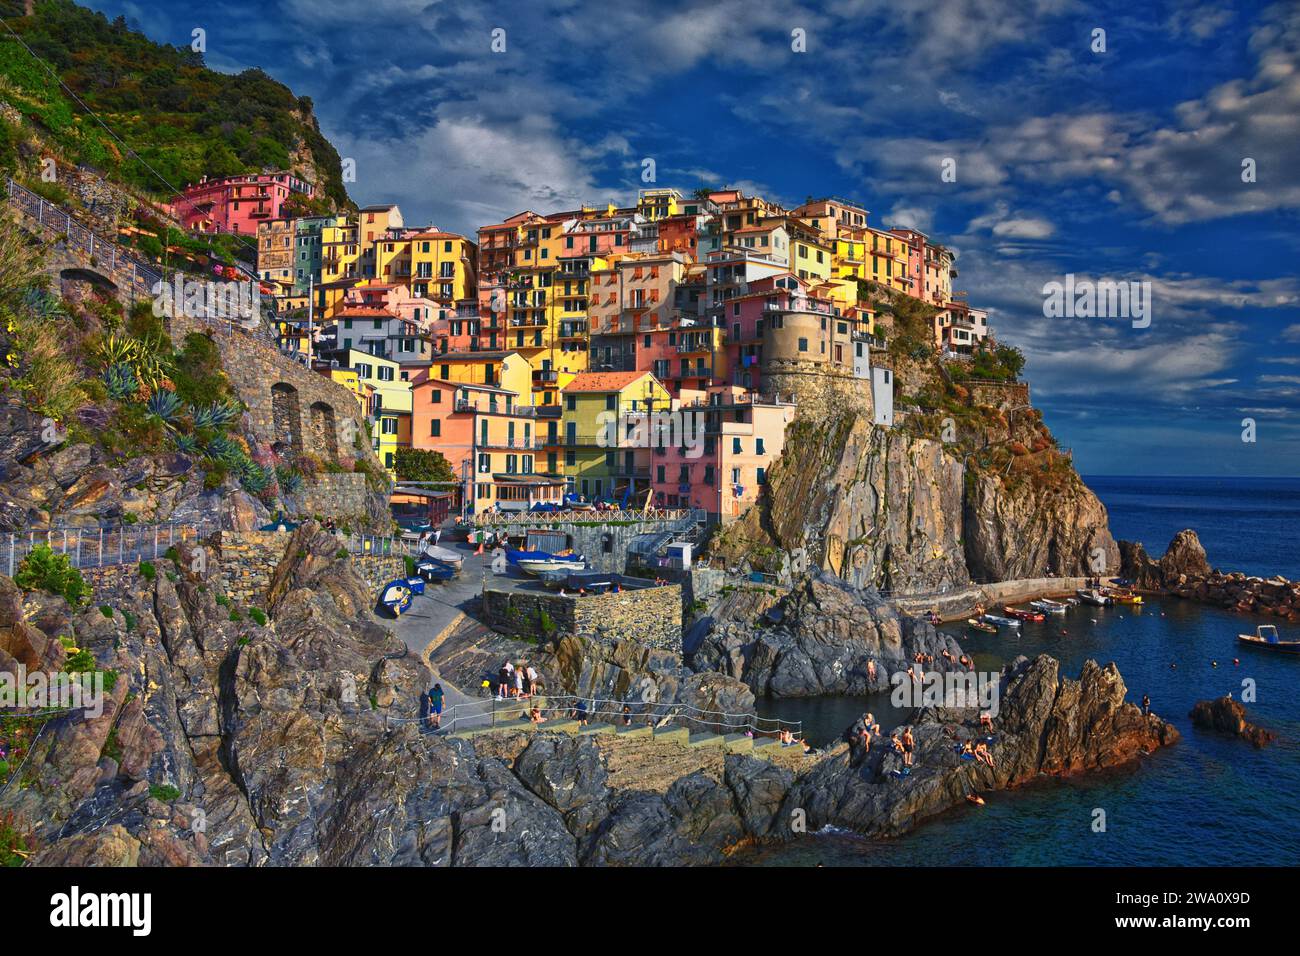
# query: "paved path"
[440,608]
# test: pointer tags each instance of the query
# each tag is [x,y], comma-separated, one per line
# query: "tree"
[419,464]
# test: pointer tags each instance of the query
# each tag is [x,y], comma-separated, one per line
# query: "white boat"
[446,556]
[1000,621]
[1093,596]
[1048,606]
[538,565]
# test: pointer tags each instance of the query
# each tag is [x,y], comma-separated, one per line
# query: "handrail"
[487,708]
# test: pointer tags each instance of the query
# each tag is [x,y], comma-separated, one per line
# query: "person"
[503,681]
[535,715]
[1146,705]
[986,719]
[419,544]
[627,716]
[532,680]
[871,670]
[437,533]
[909,744]
[580,713]
[895,742]
[982,753]
[975,798]
[787,738]
[435,706]
[519,681]
[329,525]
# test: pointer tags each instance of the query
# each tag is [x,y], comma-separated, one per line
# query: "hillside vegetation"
[183,119]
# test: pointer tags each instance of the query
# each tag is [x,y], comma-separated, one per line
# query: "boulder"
[1226,716]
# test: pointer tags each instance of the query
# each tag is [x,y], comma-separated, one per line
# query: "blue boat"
[397,597]
[416,585]
[431,570]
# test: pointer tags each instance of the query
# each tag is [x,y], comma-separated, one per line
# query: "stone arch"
[286,417]
[324,429]
[69,278]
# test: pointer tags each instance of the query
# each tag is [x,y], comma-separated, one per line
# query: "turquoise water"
[1208,800]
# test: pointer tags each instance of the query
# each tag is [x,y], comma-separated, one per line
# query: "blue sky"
[1123,164]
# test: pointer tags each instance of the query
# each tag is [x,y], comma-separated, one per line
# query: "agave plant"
[254,477]
[290,481]
[227,451]
[119,378]
[185,444]
[118,349]
[216,415]
[165,406]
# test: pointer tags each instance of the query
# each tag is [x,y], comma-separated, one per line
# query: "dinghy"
[981,626]
[397,597]
[1023,615]
[1048,607]
[1093,596]
[1000,621]
[431,570]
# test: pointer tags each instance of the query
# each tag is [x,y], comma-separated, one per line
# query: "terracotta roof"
[603,381]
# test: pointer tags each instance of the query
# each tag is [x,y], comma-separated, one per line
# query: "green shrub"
[258,615]
[43,570]
[235,615]
[148,571]
[164,792]
[105,610]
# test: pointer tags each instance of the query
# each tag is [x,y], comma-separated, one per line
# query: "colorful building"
[239,204]
[601,458]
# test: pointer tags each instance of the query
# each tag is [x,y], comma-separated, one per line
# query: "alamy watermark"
[52,689]
[666,429]
[234,300]
[1103,299]
[946,689]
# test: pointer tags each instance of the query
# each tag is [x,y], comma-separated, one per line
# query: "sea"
[1209,800]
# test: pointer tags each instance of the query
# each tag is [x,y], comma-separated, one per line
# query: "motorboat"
[432,570]
[443,555]
[397,597]
[1000,621]
[1121,596]
[536,566]
[1265,636]
[1048,606]
[981,626]
[1022,615]
[1094,596]
[416,584]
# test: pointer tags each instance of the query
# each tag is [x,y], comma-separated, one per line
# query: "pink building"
[742,437]
[238,204]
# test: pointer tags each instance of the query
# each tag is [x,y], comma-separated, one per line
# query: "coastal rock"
[1227,716]
[829,635]
[1045,725]
[1184,558]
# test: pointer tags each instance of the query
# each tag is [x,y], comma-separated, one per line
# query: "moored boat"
[1000,621]
[1048,606]
[1121,596]
[431,570]
[536,566]
[1023,615]
[981,626]
[1265,637]
[1093,596]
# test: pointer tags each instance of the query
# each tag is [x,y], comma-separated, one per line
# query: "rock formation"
[1227,716]
[1045,725]
[1185,572]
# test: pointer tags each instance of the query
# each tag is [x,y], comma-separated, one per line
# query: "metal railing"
[131,544]
[680,515]
[491,712]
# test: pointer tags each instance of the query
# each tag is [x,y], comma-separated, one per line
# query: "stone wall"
[819,390]
[590,540]
[998,395]
[339,496]
[649,616]
[247,560]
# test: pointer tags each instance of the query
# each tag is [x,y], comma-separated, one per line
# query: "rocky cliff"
[904,512]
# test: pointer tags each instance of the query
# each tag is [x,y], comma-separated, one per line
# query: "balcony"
[543,376]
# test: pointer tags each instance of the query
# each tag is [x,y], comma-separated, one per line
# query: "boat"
[1048,606]
[1093,596]
[433,570]
[981,626]
[446,556]
[397,597]
[1000,621]
[1265,636]
[1120,596]
[416,584]
[536,566]
[1023,615]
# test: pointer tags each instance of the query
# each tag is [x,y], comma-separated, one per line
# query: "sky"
[1010,130]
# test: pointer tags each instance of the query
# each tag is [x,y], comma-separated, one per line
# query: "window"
[435,428]
[758,446]
[708,474]
[736,447]
[571,402]
[611,403]
[761,476]
[803,345]
[389,426]
[484,463]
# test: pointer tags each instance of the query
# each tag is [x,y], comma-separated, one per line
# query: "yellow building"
[379,382]
[600,459]
[505,370]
